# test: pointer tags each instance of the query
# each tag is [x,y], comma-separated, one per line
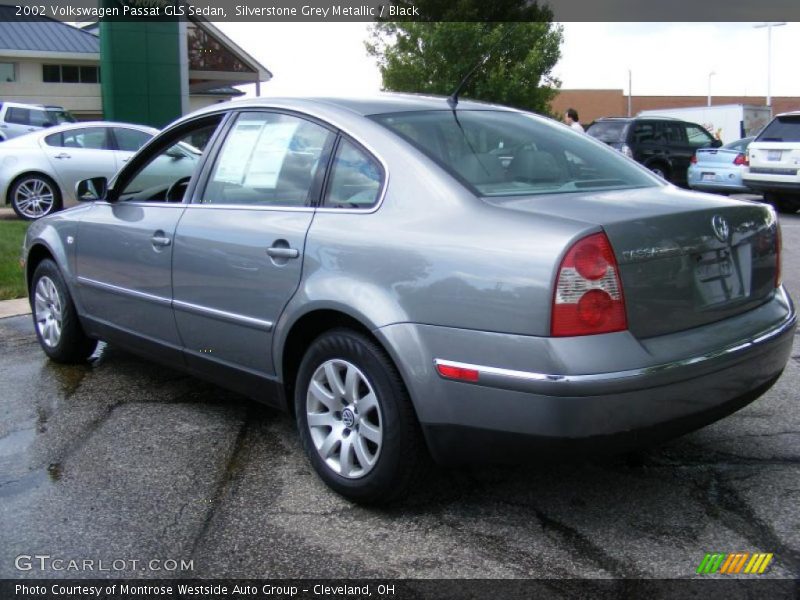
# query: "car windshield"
[608,131]
[58,116]
[503,153]
[781,129]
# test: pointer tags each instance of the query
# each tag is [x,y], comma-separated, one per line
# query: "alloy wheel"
[47,304]
[344,418]
[34,198]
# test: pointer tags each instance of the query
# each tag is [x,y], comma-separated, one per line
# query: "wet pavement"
[122,460]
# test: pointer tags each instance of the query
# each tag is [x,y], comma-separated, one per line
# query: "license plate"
[707,176]
[715,268]
[773,155]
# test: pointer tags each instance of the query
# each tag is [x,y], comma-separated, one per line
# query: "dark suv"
[663,145]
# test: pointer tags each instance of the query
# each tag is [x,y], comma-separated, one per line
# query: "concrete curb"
[14,308]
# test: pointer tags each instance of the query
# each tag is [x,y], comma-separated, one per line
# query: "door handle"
[160,241]
[281,252]
[62,155]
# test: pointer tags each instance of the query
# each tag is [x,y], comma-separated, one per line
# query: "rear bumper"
[773,185]
[519,408]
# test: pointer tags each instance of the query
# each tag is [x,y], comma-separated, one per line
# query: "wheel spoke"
[346,456]
[351,381]
[321,420]
[367,403]
[326,449]
[369,431]
[334,381]
[323,396]
[362,455]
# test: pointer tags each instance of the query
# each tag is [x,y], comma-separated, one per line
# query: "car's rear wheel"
[34,196]
[355,418]
[55,319]
[659,169]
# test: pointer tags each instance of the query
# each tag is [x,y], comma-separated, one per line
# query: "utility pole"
[709,86]
[630,78]
[769,27]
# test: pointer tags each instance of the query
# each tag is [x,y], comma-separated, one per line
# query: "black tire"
[660,169]
[402,452]
[71,345]
[783,204]
[46,196]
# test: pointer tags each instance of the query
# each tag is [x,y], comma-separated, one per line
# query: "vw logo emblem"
[721,228]
[348,418]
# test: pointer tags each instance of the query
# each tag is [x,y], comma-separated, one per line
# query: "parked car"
[720,169]
[662,144]
[774,158]
[18,119]
[38,171]
[371,267]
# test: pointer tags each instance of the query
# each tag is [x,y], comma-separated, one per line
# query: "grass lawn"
[12,278]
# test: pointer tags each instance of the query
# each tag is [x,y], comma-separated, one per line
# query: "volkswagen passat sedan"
[374,268]
[38,171]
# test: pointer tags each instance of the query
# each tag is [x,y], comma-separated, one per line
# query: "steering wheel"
[176,191]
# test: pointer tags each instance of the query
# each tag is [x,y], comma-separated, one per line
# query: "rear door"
[77,154]
[238,252]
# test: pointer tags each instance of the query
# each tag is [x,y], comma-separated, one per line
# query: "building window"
[8,72]
[70,74]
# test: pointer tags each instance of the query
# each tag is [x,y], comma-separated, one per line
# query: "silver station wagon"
[407,278]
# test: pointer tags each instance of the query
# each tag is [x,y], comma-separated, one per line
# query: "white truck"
[726,122]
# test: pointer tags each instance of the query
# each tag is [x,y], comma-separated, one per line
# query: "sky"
[663,58]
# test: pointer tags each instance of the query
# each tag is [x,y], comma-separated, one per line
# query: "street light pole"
[630,78]
[769,27]
[709,86]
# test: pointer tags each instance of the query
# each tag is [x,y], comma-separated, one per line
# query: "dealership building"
[140,72]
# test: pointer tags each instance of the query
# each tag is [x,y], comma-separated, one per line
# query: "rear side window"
[355,180]
[93,138]
[130,140]
[19,116]
[609,131]
[698,136]
[781,129]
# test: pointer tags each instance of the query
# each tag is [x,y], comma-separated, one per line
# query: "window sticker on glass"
[268,155]
[233,162]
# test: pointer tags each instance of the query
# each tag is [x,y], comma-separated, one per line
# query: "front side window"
[503,153]
[609,131]
[355,180]
[268,159]
[162,174]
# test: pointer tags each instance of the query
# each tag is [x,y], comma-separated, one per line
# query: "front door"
[125,250]
[238,250]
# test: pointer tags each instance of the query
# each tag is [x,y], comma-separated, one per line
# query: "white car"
[774,158]
[39,171]
[18,119]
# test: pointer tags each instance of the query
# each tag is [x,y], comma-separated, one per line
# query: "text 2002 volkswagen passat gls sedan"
[405,278]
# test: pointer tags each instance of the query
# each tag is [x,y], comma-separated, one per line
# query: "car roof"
[639,118]
[82,124]
[385,102]
[791,113]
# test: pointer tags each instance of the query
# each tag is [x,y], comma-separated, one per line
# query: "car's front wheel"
[34,196]
[55,319]
[355,418]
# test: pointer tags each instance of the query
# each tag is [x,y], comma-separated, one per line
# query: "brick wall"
[592,104]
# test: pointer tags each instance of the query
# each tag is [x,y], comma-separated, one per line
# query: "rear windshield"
[781,129]
[500,153]
[608,131]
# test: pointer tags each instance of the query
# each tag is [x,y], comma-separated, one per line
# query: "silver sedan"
[38,171]
[405,275]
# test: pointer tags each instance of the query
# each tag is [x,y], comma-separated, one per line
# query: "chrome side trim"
[115,289]
[188,307]
[527,381]
[222,315]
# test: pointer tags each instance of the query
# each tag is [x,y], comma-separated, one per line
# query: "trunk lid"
[715,156]
[685,259]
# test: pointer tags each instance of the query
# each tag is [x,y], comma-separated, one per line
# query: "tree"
[433,57]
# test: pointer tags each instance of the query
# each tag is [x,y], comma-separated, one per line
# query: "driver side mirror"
[174,153]
[92,189]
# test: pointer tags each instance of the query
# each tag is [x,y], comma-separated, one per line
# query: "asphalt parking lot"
[122,460]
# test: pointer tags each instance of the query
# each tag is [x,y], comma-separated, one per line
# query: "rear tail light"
[458,373]
[626,150]
[588,296]
[741,160]
[693,160]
